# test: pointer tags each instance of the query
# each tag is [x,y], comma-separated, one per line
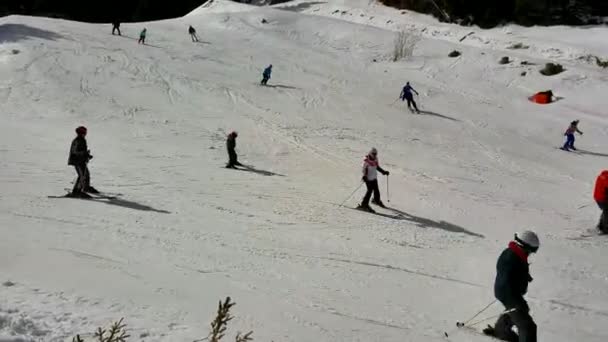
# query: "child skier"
[142,36]
[371,167]
[266,75]
[231,146]
[510,286]
[600,194]
[570,135]
[406,94]
[79,158]
[192,33]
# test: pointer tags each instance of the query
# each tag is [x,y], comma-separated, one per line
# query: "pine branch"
[244,338]
[220,323]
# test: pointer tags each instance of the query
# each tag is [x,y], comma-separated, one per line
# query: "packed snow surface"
[479,163]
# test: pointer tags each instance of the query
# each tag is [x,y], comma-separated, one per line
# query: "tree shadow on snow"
[428,112]
[428,223]
[250,168]
[129,204]
[11,33]
[591,153]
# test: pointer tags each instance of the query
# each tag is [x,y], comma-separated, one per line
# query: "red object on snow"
[542,97]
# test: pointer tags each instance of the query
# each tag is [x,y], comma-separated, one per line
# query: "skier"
[512,278]
[570,136]
[231,145]
[142,36]
[406,94]
[600,194]
[116,27]
[193,35]
[266,75]
[371,166]
[79,158]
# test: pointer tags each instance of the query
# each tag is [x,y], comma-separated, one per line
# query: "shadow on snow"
[11,33]
[428,112]
[250,168]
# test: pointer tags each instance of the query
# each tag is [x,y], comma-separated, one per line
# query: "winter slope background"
[480,165]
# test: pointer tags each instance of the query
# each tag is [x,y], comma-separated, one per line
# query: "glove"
[387,173]
[363,179]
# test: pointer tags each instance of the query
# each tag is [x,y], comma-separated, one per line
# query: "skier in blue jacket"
[406,94]
[266,74]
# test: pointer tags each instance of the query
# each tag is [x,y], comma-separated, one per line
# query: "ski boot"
[91,190]
[379,203]
[366,208]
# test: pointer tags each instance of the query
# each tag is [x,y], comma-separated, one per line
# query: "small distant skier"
[569,145]
[266,75]
[116,27]
[79,158]
[192,33]
[142,36]
[512,278]
[406,94]
[600,194]
[231,146]
[371,167]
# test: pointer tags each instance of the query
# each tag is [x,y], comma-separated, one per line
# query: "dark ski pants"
[265,80]
[603,224]
[142,40]
[410,102]
[114,29]
[232,158]
[194,37]
[569,142]
[526,328]
[83,181]
[372,188]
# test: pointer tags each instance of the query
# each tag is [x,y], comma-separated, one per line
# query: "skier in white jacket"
[371,167]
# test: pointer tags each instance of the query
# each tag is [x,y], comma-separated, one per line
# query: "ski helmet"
[373,151]
[81,130]
[234,133]
[528,239]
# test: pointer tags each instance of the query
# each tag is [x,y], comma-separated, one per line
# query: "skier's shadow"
[129,204]
[281,86]
[428,112]
[428,223]
[250,168]
[591,153]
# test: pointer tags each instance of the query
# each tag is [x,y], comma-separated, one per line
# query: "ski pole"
[460,324]
[351,195]
[388,194]
[489,318]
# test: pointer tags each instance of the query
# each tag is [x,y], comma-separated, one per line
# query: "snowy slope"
[478,165]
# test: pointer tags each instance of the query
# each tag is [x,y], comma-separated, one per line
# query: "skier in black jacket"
[79,158]
[512,278]
[231,146]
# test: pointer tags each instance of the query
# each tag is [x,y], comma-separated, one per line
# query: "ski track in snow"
[476,165]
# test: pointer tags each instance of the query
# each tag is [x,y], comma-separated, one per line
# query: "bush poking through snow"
[404,45]
[601,63]
[220,324]
[244,338]
[454,53]
[551,69]
[518,46]
[116,333]
[504,60]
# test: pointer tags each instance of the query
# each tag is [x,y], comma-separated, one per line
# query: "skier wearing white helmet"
[512,278]
[371,167]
